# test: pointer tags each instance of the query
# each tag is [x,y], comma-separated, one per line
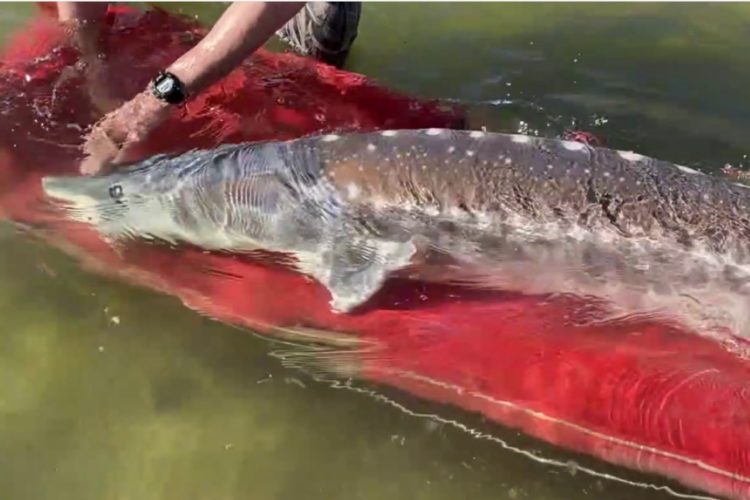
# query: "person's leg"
[324,30]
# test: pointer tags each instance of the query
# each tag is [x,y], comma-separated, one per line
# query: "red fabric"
[635,392]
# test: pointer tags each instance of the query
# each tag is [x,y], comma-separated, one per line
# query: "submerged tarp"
[636,391]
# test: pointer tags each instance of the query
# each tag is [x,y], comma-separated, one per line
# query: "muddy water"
[113,392]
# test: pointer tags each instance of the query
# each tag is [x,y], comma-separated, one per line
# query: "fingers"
[115,138]
[100,148]
[91,166]
[124,154]
[103,153]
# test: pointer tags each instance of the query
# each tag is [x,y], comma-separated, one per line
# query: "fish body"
[537,214]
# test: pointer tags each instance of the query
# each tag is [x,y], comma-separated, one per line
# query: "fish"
[536,214]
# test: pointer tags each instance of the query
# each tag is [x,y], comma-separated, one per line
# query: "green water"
[113,392]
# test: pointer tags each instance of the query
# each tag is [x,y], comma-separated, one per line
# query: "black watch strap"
[168,88]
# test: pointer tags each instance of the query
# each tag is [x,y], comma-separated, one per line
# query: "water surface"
[111,391]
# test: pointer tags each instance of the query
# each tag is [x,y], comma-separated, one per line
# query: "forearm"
[243,28]
[85,20]
[82,12]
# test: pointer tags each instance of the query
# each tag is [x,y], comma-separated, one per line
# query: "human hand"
[115,135]
[97,80]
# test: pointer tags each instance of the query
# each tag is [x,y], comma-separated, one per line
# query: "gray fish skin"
[354,208]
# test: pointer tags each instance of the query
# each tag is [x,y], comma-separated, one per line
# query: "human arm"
[85,20]
[242,29]
[81,11]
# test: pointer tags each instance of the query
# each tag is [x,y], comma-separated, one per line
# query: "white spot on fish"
[451,149]
[433,131]
[622,179]
[424,167]
[470,153]
[521,139]
[687,170]
[476,134]
[572,145]
[507,160]
[587,171]
[549,167]
[352,191]
[630,156]
[389,133]
[330,137]
[371,147]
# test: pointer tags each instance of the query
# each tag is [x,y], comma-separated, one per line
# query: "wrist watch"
[168,88]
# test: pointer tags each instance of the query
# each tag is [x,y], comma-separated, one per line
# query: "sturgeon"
[535,214]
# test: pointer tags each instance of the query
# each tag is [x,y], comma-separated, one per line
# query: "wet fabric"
[324,30]
[636,391]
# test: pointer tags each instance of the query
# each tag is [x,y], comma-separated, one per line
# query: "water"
[111,391]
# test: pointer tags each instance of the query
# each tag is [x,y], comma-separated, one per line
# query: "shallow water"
[111,391]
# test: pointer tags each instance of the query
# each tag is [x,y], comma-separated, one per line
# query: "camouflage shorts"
[324,30]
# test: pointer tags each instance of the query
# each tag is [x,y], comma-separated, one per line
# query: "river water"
[109,391]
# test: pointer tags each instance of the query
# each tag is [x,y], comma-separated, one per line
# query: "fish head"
[202,196]
[112,203]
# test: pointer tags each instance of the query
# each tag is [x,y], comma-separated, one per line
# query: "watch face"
[168,88]
[165,86]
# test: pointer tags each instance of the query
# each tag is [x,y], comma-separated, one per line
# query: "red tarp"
[634,392]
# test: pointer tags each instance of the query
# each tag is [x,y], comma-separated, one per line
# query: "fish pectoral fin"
[359,267]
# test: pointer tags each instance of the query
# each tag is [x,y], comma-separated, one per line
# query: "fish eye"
[115,192]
